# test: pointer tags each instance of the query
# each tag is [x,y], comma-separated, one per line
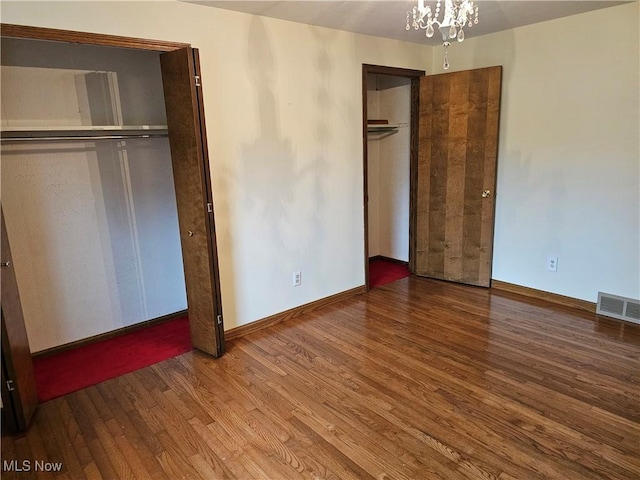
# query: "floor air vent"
[618,307]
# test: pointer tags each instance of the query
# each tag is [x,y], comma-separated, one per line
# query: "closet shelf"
[82,132]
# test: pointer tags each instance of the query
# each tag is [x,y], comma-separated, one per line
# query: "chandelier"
[457,14]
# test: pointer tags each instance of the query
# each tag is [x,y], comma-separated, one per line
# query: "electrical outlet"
[297,278]
[552,264]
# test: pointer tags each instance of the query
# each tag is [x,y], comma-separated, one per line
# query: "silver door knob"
[5,264]
[486,193]
[190,233]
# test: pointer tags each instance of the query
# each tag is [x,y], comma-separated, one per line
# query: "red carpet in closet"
[72,370]
[383,271]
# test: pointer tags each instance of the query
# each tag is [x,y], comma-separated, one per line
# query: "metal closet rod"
[83,137]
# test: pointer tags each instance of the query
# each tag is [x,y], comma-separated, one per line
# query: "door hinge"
[219,319]
[209,207]
[10,385]
[197,77]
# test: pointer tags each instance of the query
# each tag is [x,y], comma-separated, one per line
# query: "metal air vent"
[618,307]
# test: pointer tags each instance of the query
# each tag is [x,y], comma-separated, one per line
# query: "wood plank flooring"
[417,379]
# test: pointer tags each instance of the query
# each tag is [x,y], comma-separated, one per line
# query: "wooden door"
[187,138]
[457,154]
[19,394]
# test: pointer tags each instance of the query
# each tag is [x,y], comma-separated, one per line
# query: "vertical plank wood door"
[457,155]
[20,397]
[187,138]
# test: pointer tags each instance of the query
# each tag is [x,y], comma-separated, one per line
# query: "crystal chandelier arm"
[449,13]
[464,14]
[424,16]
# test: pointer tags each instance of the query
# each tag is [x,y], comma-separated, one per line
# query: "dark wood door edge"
[85,38]
[181,94]
[208,191]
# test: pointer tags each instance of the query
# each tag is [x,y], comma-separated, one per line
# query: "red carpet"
[383,271]
[75,369]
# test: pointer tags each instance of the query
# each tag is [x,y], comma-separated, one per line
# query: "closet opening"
[88,189]
[107,187]
[390,121]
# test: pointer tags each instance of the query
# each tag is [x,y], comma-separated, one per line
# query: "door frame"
[414,76]
[84,38]
[161,46]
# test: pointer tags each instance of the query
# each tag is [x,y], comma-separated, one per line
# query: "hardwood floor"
[417,379]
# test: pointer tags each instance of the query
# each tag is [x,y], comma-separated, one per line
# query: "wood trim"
[113,333]
[365,174]
[85,38]
[252,327]
[388,259]
[396,72]
[414,138]
[542,295]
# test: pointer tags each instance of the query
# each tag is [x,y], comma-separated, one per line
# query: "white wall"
[568,159]
[389,98]
[284,124]
[92,225]
[394,170]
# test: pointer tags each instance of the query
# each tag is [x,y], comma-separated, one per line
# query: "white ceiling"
[387,18]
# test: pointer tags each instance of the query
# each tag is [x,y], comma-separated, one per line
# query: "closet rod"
[82,137]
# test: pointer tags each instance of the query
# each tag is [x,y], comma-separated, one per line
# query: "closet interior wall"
[92,223]
[388,167]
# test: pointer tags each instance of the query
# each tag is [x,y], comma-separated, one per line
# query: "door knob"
[190,233]
[5,264]
[486,193]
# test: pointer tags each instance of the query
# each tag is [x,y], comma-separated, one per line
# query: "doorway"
[390,119]
[454,125]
